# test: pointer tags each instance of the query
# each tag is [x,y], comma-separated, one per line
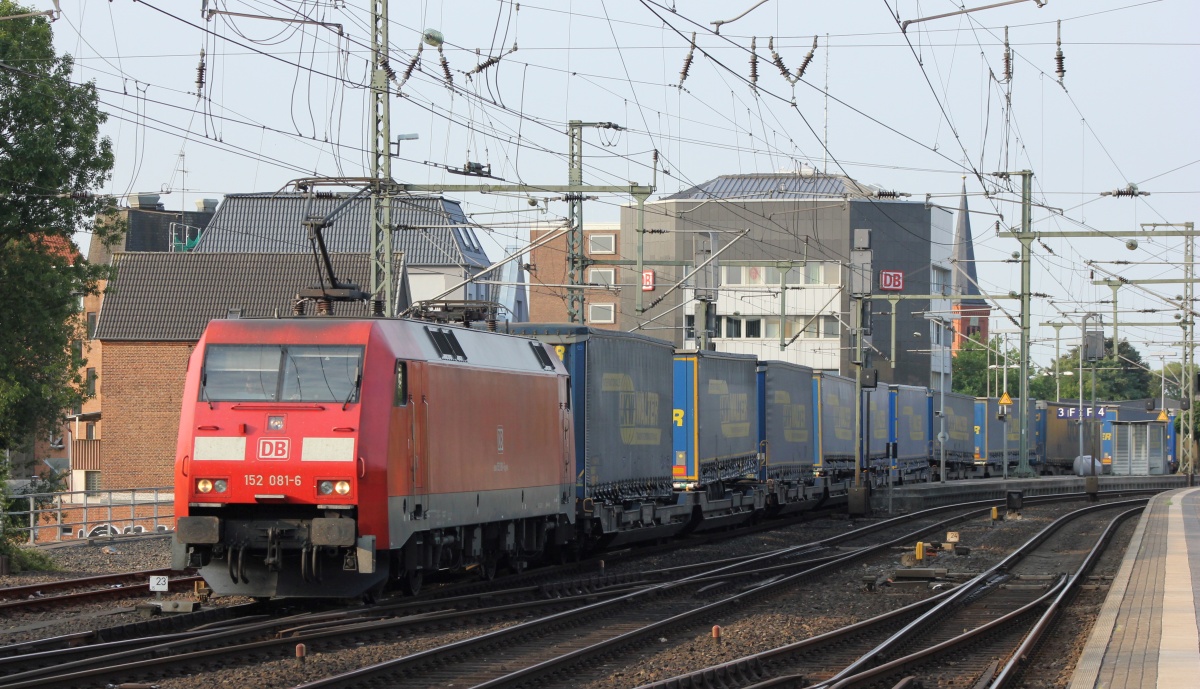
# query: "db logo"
[273,448]
[891,280]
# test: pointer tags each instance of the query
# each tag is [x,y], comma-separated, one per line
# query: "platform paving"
[1147,632]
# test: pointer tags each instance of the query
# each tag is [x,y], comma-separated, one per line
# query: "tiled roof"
[430,230]
[785,186]
[171,297]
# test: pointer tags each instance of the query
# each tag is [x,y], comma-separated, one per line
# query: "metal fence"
[68,515]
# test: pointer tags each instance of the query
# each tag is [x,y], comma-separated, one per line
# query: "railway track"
[627,606]
[106,586]
[955,639]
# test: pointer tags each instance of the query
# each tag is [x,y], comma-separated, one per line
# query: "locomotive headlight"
[342,487]
[204,486]
[325,487]
[220,485]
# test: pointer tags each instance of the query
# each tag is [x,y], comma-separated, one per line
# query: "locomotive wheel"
[413,579]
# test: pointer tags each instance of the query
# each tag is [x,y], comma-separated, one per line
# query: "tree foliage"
[1122,377]
[51,155]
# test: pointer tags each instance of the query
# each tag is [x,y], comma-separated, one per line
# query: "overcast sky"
[912,112]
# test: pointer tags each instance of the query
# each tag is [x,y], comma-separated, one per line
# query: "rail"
[82,514]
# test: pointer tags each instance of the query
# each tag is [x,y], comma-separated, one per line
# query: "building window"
[772,328]
[754,327]
[91,481]
[602,313]
[733,275]
[89,431]
[91,324]
[602,244]
[90,382]
[813,273]
[733,327]
[603,276]
[830,326]
[939,281]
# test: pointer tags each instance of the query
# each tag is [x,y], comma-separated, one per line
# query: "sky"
[920,111]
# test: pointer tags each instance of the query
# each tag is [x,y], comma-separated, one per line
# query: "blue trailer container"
[991,432]
[785,421]
[910,430]
[620,398]
[960,429]
[879,426]
[834,411]
[788,442]
[716,417]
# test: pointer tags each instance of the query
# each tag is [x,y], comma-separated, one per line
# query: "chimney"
[143,201]
[206,205]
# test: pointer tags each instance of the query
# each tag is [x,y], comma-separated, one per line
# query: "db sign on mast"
[891,280]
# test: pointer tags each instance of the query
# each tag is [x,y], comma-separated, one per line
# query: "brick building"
[156,309]
[147,227]
[548,276]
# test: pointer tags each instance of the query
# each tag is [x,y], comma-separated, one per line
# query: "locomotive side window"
[241,373]
[401,398]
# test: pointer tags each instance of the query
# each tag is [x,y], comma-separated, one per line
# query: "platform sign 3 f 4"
[891,280]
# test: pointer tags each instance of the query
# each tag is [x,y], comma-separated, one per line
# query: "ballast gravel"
[815,606]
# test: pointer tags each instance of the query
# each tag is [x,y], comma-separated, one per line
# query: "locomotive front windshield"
[281,373]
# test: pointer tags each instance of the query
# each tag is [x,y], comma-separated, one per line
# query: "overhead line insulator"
[687,61]
[1059,61]
[753,62]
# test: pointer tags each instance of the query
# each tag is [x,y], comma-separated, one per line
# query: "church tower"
[971,315]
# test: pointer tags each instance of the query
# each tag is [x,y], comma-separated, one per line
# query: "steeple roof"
[965,281]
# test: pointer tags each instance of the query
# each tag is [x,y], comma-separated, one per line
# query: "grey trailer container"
[835,419]
[786,421]
[911,406]
[716,394]
[621,405]
[960,428]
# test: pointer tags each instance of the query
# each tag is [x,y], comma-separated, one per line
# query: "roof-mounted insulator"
[687,61]
[807,59]
[753,61]
[1059,61]
[200,75]
[445,66]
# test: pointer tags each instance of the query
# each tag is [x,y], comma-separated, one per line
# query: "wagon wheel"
[487,569]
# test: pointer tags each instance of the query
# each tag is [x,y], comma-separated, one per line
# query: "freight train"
[334,457]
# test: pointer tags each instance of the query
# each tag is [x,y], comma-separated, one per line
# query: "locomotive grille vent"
[446,344]
[543,358]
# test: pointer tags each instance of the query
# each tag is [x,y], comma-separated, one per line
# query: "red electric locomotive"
[327,457]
